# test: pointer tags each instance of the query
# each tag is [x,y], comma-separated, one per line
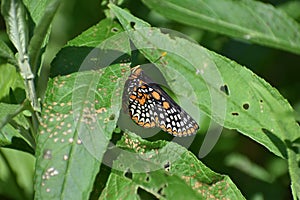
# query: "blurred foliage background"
[256,172]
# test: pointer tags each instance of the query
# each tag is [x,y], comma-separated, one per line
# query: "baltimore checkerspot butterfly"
[149,106]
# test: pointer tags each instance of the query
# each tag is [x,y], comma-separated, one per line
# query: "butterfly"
[150,106]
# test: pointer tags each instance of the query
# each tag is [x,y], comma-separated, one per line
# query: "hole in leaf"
[147,178]
[132,24]
[144,194]
[112,117]
[235,114]
[160,191]
[246,106]
[224,88]
[167,166]
[261,101]
[117,130]
[128,174]
[114,30]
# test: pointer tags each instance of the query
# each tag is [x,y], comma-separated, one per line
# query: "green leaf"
[247,20]
[10,109]
[16,174]
[164,170]
[79,115]
[291,8]
[7,54]
[294,171]
[14,14]
[242,163]
[41,32]
[14,127]
[230,94]
[10,79]
[37,9]
[214,79]
[100,45]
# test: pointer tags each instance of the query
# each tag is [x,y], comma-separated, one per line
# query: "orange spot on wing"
[166,105]
[135,118]
[142,101]
[152,124]
[156,95]
[163,127]
[133,97]
[147,125]
[192,130]
[175,133]
[147,96]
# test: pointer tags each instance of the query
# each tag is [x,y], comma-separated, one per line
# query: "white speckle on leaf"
[79,141]
[66,157]
[71,140]
[47,154]
[247,37]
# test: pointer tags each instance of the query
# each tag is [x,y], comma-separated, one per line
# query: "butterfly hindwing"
[141,107]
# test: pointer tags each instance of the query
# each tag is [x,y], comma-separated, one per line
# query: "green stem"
[28,77]
[9,117]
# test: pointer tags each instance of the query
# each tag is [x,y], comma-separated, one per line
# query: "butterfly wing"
[150,105]
[141,107]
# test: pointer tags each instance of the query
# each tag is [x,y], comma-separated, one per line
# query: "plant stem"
[28,77]
[9,117]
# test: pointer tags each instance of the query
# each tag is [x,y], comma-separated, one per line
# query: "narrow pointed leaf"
[41,33]
[11,80]
[37,8]
[7,54]
[14,14]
